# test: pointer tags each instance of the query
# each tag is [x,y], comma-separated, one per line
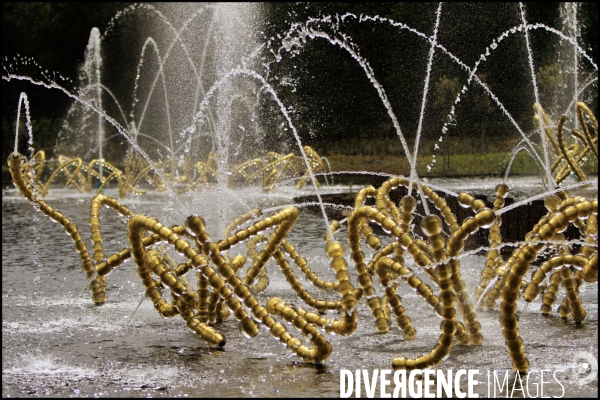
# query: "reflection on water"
[55,342]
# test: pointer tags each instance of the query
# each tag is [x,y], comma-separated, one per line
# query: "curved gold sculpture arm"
[150,261]
[550,135]
[571,154]
[494,258]
[583,110]
[15,162]
[262,278]
[40,158]
[302,265]
[297,287]
[317,354]
[569,211]
[439,258]
[63,167]
[566,153]
[242,170]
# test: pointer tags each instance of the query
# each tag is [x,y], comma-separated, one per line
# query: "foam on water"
[49,329]
[46,365]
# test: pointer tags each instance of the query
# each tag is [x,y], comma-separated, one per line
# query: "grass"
[467,158]
[490,164]
[460,164]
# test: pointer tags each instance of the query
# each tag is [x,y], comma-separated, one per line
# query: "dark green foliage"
[55,34]
[334,103]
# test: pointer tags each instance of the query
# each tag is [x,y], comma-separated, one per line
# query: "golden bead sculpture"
[179,173]
[15,162]
[494,258]
[568,159]
[224,289]
[567,211]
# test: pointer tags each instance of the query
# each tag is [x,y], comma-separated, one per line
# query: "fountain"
[210,188]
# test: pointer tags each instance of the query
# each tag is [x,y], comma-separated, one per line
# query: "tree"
[446,90]
[481,109]
[550,80]
[54,35]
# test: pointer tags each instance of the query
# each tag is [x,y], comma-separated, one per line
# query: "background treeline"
[55,35]
[337,104]
[335,93]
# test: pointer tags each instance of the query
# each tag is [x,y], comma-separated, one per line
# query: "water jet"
[226,255]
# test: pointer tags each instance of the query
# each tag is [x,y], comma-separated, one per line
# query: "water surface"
[56,342]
